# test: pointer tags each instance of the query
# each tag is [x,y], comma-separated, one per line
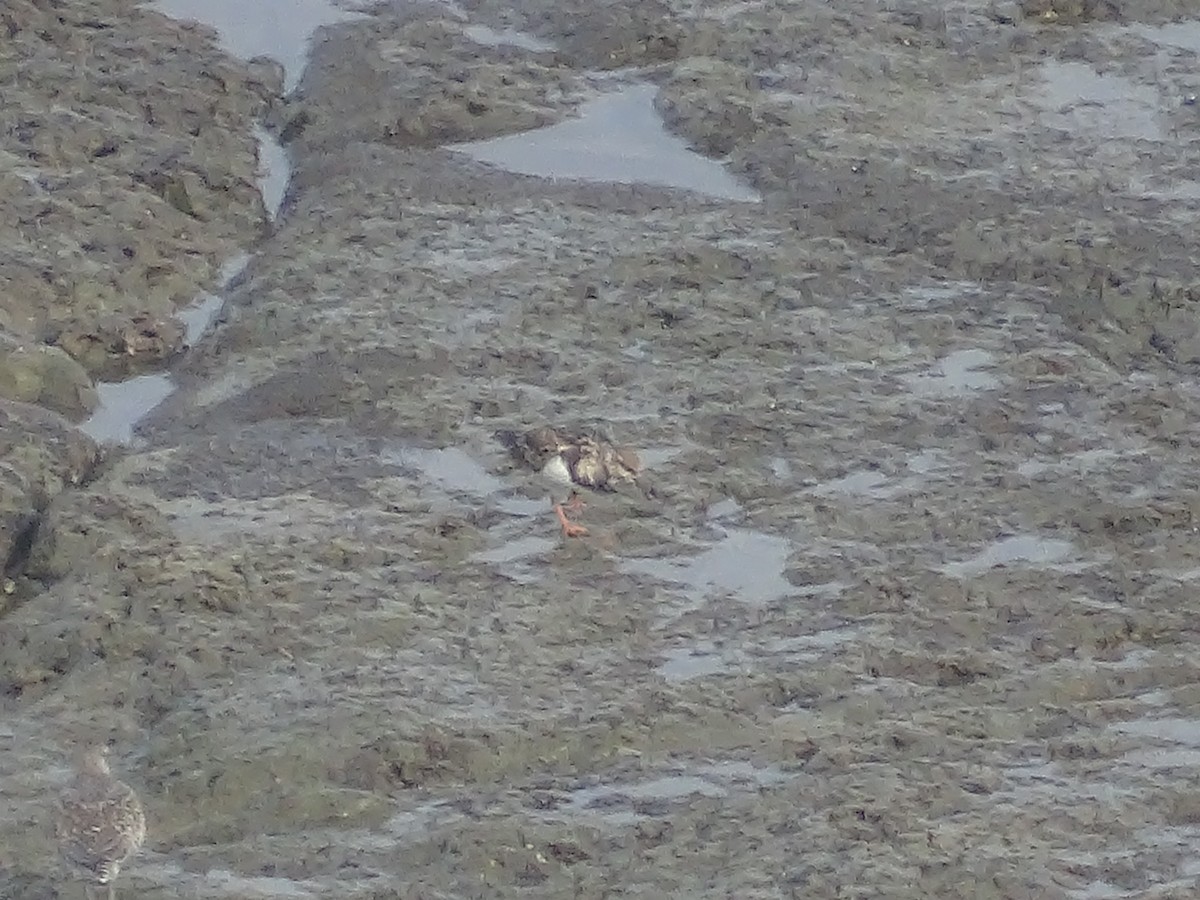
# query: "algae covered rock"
[125,191]
[713,103]
[41,455]
[120,345]
[47,376]
[79,526]
[613,36]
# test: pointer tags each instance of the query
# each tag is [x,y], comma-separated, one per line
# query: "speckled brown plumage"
[573,458]
[590,461]
[100,823]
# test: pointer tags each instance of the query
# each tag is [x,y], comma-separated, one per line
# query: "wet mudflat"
[910,610]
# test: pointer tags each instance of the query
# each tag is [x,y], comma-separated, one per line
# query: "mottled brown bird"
[568,459]
[100,823]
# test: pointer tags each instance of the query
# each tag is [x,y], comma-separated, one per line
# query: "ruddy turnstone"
[100,823]
[570,459]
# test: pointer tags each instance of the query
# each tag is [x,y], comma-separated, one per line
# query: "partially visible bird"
[569,459]
[100,822]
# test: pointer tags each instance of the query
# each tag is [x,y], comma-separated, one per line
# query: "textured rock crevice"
[127,172]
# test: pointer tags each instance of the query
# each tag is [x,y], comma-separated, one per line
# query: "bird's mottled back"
[574,458]
[100,821]
[590,460]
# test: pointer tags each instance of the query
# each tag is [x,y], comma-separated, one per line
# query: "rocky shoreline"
[909,611]
[130,177]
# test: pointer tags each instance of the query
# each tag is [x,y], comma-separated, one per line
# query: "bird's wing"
[586,464]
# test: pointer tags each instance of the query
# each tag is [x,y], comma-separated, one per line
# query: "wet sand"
[907,352]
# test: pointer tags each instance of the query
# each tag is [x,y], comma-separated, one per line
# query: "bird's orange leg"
[570,529]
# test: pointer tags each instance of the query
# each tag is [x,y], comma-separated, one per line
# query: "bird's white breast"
[556,470]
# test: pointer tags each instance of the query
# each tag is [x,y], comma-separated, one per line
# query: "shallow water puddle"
[653,457]
[1103,890]
[508,37]
[449,467]
[1181,758]
[699,660]
[274,171]
[927,462]
[957,373]
[919,297]
[223,883]
[280,29]
[265,887]
[455,471]
[1078,98]
[515,558]
[1175,730]
[866,483]
[748,564]
[1034,782]
[726,12]
[809,647]
[1177,190]
[616,803]
[199,317]
[702,658]
[876,485]
[1191,574]
[195,519]
[618,137]
[1181,731]
[780,468]
[1081,462]
[1029,549]
[723,509]
[125,403]
[417,820]
[1185,35]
